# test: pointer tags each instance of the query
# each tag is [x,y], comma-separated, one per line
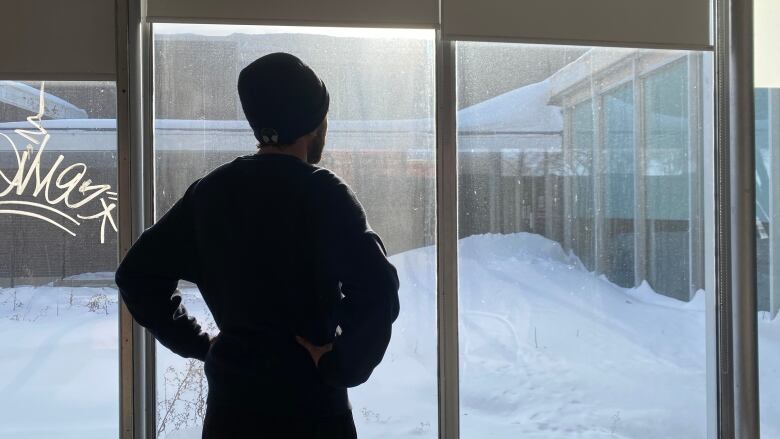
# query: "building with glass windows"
[633,149]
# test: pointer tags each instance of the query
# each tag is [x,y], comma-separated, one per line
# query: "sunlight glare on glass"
[216,30]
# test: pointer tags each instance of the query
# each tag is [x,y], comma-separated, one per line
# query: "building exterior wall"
[636,120]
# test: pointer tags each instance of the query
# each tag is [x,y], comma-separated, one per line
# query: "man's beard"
[314,154]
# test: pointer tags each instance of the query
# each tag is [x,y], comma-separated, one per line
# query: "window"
[619,175]
[381,140]
[767,136]
[59,363]
[669,218]
[596,327]
[767,168]
[582,183]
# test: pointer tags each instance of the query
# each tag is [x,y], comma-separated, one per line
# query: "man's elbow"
[358,371]
[128,283]
[120,277]
[392,293]
[123,276]
[386,289]
[395,306]
[122,280]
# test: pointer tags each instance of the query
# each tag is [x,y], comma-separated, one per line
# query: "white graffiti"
[57,192]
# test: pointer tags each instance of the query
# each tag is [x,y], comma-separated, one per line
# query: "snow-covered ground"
[548,350]
[59,365]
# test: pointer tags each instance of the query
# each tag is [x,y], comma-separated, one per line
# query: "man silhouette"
[298,284]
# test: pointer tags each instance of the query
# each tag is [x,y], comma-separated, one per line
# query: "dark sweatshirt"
[278,248]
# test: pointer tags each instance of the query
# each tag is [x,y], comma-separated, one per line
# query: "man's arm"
[355,255]
[149,273]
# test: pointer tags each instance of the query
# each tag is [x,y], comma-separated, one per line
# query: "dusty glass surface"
[380,139]
[581,257]
[767,246]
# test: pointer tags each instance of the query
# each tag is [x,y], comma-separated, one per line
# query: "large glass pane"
[582,182]
[665,113]
[619,184]
[763,189]
[588,323]
[59,360]
[767,101]
[381,140]
[767,124]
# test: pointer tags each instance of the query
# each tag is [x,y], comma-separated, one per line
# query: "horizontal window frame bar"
[428,26]
[59,76]
[294,23]
[580,43]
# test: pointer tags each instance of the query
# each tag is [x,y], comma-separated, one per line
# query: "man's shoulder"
[322,183]
[330,192]
[221,171]
[325,177]
[327,182]
[235,171]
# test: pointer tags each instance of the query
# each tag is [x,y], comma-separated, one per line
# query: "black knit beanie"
[282,98]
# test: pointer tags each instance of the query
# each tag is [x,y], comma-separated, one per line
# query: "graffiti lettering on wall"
[60,193]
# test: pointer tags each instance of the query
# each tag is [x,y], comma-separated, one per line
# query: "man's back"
[272,242]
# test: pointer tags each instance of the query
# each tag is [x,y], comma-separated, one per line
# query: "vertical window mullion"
[640,204]
[447,239]
[709,231]
[741,150]
[147,120]
[773,126]
[599,176]
[723,319]
[125,214]
[695,176]
[568,175]
[735,255]
[136,367]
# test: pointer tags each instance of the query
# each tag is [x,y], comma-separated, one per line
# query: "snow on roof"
[403,125]
[64,124]
[522,118]
[583,68]
[522,110]
[28,98]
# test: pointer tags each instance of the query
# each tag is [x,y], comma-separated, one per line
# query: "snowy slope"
[59,363]
[549,350]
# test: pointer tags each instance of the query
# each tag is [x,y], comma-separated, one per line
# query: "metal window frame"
[733,313]
[696,184]
[640,177]
[136,183]
[735,257]
[598,174]
[447,238]
[134,97]
[774,203]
